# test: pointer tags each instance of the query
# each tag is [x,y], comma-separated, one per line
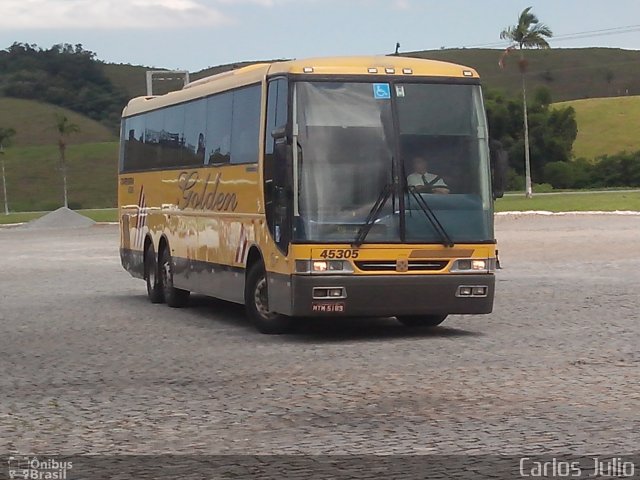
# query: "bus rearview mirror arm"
[499,159]
[279,133]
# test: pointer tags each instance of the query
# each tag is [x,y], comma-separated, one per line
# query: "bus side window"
[277,183]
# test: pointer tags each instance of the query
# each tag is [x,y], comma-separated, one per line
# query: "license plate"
[327,307]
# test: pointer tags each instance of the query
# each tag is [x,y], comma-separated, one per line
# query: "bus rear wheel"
[421,320]
[175,297]
[256,300]
[154,285]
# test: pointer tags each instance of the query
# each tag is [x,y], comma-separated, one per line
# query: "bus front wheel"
[175,297]
[421,320]
[257,303]
[154,285]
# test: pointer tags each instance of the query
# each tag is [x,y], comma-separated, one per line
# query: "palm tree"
[5,138]
[527,33]
[65,128]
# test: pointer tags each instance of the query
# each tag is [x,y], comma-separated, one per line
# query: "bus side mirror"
[499,159]
[283,163]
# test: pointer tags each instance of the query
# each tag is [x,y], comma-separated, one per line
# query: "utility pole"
[4,184]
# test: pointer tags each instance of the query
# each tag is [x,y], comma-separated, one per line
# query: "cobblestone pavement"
[87,365]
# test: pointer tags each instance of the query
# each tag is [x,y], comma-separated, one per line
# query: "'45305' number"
[339,253]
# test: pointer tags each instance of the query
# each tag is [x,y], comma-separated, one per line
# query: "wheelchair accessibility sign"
[381,91]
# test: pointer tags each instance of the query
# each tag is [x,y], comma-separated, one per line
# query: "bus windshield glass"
[424,142]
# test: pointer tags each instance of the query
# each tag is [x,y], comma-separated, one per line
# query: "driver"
[423,181]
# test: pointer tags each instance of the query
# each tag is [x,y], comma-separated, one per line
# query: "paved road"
[88,365]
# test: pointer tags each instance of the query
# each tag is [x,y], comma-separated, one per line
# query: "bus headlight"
[323,266]
[474,265]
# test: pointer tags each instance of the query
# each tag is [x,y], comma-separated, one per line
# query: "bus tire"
[421,320]
[257,306]
[154,284]
[175,297]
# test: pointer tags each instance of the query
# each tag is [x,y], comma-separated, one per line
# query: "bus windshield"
[424,142]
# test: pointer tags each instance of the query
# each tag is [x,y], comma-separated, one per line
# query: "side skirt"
[133,262]
[213,279]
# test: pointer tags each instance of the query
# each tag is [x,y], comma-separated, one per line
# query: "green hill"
[606,126]
[34,182]
[132,78]
[570,73]
[34,123]
[32,166]
[64,75]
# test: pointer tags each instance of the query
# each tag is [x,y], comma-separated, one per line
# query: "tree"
[5,139]
[65,129]
[64,75]
[5,136]
[527,33]
[552,131]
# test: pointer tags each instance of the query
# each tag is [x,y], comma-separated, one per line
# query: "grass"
[34,123]
[606,125]
[101,214]
[572,202]
[34,180]
[98,215]
[19,217]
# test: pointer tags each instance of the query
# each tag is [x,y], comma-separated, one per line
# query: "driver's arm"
[439,186]
[415,180]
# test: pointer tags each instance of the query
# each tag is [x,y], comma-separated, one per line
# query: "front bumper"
[380,295]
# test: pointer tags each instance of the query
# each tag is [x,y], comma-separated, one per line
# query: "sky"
[196,34]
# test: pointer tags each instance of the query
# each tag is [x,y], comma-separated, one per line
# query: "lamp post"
[4,183]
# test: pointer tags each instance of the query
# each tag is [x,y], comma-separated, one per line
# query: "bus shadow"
[212,312]
[220,312]
[201,310]
[313,330]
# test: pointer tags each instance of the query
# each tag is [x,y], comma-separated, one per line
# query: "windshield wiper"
[428,212]
[364,230]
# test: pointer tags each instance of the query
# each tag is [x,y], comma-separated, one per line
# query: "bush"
[560,174]
[582,173]
[515,182]
[542,188]
[48,206]
[621,170]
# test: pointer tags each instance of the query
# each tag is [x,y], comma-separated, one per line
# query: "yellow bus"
[355,186]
